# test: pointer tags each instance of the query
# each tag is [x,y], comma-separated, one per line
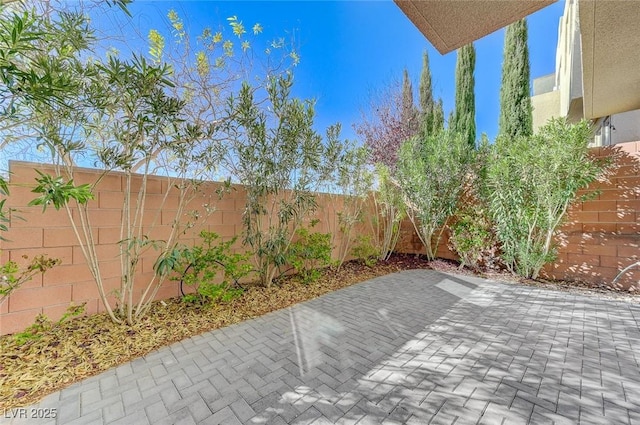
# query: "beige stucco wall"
[610,61]
[566,98]
[568,60]
[545,106]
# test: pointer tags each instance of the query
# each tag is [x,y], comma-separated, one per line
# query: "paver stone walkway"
[414,347]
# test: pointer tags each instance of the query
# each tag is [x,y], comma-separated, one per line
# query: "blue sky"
[350,48]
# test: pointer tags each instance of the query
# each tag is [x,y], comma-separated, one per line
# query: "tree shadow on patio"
[526,355]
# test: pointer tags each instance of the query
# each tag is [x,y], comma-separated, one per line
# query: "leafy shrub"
[389,211]
[310,252]
[12,275]
[354,181]
[365,250]
[43,324]
[4,211]
[471,237]
[201,265]
[471,233]
[531,182]
[281,160]
[430,174]
[137,116]
[54,190]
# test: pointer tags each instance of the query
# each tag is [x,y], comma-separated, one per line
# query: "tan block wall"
[601,235]
[33,232]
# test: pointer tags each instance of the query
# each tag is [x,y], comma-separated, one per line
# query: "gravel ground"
[574,287]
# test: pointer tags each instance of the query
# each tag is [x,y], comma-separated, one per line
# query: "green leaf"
[54,191]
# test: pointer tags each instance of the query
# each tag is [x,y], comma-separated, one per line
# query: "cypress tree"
[438,117]
[426,95]
[464,117]
[408,113]
[515,102]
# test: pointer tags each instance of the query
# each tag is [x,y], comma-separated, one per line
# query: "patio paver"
[414,347]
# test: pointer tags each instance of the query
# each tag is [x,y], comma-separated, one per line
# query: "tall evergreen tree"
[464,117]
[452,119]
[515,102]
[431,114]
[426,94]
[408,113]
[437,124]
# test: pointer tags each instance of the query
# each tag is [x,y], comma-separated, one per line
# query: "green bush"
[389,211]
[531,182]
[431,172]
[471,233]
[310,252]
[471,237]
[200,267]
[282,161]
[12,275]
[354,181]
[365,250]
[43,324]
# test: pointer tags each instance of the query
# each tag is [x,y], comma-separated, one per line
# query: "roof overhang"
[451,24]
[610,56]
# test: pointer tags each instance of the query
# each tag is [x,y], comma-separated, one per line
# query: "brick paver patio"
[415,347]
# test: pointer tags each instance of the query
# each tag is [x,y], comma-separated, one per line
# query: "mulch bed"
[71,351]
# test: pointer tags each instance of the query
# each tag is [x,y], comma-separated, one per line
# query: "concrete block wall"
[601,235]
[33,232]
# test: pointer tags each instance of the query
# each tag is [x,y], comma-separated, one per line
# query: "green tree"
[33,51]
[515,92]
[389,211]
[464,117]
[430,173]
[425,91]
[531,183]
[425,88]
[132,117]
[471,229]
[115,112]
[275,152]
[38,54]
[210,66]
[438,117]
[353,180]
[37,41]
[124,108]
[408,112]
[431,112]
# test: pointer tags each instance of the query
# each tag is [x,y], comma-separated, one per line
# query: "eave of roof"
[450,24]
[610,56]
